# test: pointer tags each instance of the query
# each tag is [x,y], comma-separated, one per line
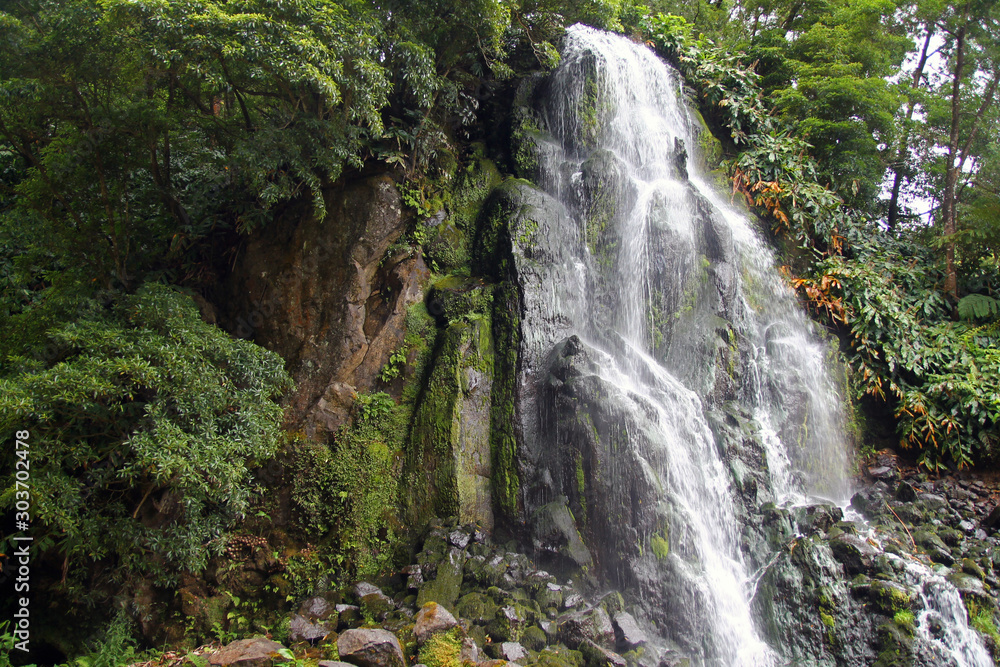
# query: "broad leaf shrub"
[943,376]
[881,292]
[143,433]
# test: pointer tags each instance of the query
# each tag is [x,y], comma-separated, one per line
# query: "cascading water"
[668,377]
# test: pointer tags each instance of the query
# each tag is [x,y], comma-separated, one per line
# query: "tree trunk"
[904,140]
[949,221]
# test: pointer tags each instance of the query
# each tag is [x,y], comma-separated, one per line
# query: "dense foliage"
[138,140]
[141,430]
[819,131]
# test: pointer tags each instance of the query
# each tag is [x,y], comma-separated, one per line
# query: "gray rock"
[856,555]
[884,473]
[593,625]
[301,629]
[415,576]
[628,634]
[431,620]
[256,652]
[333,663]
[992,520]
[470,651]
[370,648]
[317,608]
[600,656]
[459,538]
[363,588]
[572,601]
[513,651]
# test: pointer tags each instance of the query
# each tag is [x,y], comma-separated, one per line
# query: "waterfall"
[670,385]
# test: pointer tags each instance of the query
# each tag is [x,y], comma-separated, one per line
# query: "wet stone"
[856,555]
[302,630]
[628,635]
[905,493]
[513,651]
[459,538]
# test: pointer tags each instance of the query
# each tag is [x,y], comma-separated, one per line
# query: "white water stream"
[667,231]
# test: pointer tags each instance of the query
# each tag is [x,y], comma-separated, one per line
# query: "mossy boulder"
[508,625]
[889,597]
[446,585]
[477,608]
[534,638]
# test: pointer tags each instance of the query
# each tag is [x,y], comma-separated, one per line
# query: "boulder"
[593,625]
[598,656]
[513,651]
[256,652]
[370,648]
[469,652]
[854,553]
[301,629]
[628,635]
[431,620]
[318,608]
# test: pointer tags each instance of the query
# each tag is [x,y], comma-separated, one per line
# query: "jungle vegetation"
[140,138]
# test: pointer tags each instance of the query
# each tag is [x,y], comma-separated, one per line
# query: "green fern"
[978,307]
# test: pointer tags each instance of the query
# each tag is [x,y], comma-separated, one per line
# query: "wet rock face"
[319,294]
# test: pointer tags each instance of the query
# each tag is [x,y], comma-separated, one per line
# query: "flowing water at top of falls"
[689,332]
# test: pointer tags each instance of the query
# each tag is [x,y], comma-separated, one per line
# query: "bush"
[142,434]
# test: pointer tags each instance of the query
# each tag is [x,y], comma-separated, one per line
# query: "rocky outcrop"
[367,647]
[256,652]
[325,296]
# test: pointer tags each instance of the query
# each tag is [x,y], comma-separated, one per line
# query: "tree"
[974,31]
[142,428]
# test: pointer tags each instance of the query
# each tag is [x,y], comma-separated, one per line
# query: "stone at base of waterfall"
[554,531]
[370,648]
[318,608]
[628,635]
[513,651]
[968,586]
[934,547]
[301,629]
[854,553]
[256,652]
[431,620]
[598,656]
[491,663]
[337,663]
[470,651]
[593,625]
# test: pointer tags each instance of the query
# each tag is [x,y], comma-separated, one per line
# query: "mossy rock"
[889,597]
[534,638]
[895,647]
[559,656]
[445,587]
[376,606]
[549,597]
[476,607]
[485,571]
[508,625]
[442,649]
[613,603]
[448,247]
